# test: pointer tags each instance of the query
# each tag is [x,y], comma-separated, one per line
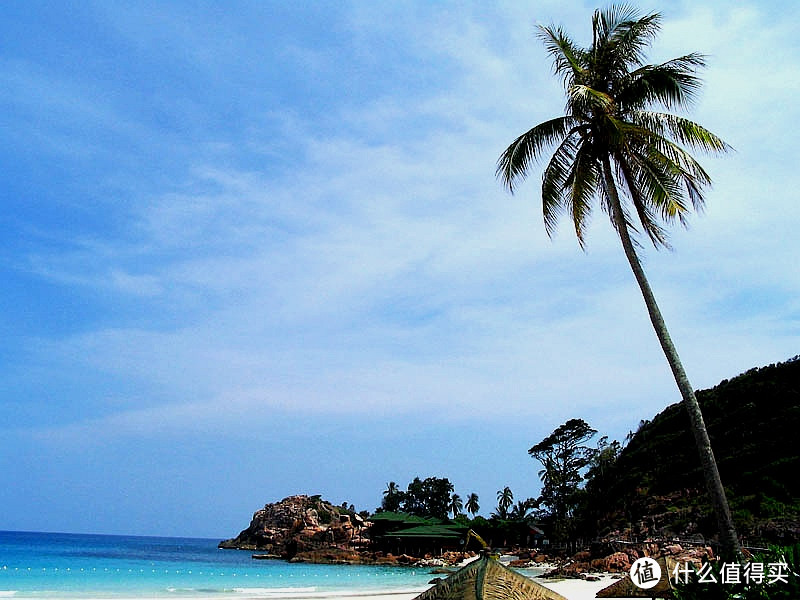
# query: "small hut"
[487,579]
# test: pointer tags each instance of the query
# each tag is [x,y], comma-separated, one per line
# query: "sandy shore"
[577,589]
[572,589]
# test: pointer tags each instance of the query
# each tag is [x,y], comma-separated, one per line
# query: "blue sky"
[251,249]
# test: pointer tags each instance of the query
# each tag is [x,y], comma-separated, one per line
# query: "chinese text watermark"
[730,573]
[646,573]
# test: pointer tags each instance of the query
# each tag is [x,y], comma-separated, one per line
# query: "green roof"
[430,531]
[398,517]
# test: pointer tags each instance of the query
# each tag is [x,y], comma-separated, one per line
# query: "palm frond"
[567,57]
[682,130]
[554,180]
[647,217]
[580,187]
[513,164]
[632,36]
[683,162]
[666,169]
[686,169]
[620,37]
[687,62]
[606,21]
[672,84]
[653,141]
[659,180]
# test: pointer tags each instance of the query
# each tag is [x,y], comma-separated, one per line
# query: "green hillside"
[656,487]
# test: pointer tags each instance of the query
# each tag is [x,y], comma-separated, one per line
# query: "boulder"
[619,562]
[672,550]
[520,563]
[583,556]
[540,558]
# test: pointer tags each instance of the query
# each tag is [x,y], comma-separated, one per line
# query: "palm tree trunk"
[728,538]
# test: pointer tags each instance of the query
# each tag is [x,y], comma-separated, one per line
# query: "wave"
[275,590]
[7,593]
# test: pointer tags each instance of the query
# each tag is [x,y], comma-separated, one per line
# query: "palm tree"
[392,497]
[456,505]
[521,510]
[611,146]
[505,498]
[472,505]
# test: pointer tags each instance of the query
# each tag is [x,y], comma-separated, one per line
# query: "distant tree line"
[509,522]
[589,487]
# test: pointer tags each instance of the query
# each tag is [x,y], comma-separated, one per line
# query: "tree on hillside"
[612,147]
[602,459]
[472,505]
[564,456]
[600,476]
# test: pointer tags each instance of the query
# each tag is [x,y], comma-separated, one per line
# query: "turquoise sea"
[61,566]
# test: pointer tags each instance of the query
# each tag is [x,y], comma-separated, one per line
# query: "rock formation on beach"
[617,557]
[308,529]
[295,525]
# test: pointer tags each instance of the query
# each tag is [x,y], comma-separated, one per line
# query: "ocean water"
[72,566]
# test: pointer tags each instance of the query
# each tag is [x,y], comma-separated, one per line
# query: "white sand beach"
[578,589]
[572,589]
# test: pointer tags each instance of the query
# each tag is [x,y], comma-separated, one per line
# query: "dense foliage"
[431,497]
[655,484]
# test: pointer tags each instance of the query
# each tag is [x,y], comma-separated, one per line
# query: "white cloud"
[254,246]
[387,269]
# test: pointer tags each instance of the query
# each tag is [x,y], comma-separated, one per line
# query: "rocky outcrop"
[296,525]
[611,557]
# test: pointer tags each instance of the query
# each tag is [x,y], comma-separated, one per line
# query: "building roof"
[405,518]
[431,531]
